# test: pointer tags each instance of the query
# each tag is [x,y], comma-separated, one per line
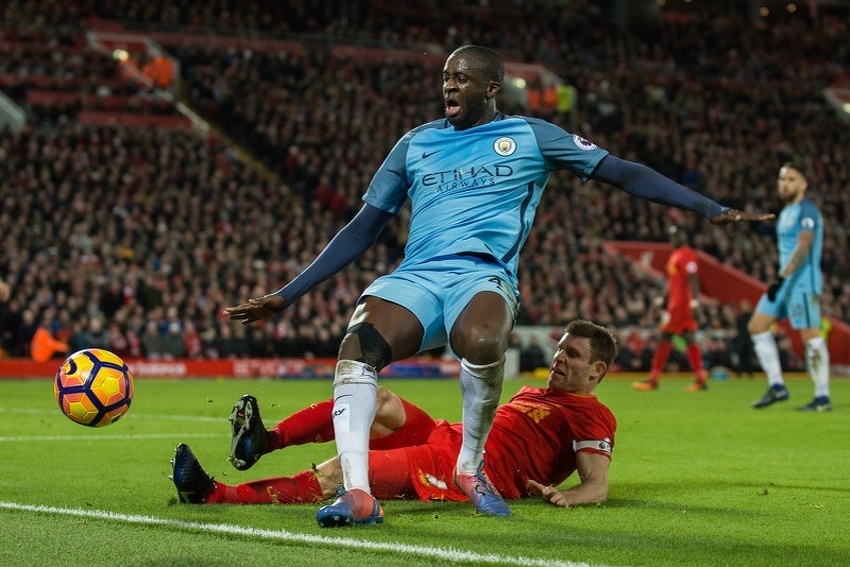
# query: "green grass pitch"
[696,479]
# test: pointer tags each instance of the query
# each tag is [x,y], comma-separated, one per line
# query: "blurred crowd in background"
[133,239]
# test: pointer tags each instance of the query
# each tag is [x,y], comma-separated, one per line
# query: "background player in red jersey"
[678,316]
[539,438]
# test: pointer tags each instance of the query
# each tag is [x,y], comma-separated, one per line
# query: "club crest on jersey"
[431,480]
[504,146]
[583,144]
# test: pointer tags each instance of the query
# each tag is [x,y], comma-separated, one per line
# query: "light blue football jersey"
[476,190]
[794,219]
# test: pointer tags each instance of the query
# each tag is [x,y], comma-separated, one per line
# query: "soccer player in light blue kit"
[795,293]
[474,180]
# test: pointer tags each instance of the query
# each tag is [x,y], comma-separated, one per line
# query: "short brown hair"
[603,344]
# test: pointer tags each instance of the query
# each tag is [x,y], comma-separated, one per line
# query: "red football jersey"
[536,436]
[682,263]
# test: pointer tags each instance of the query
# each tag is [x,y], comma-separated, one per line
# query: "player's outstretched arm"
[256,309]
[734,215]
[642,181]
[348,244]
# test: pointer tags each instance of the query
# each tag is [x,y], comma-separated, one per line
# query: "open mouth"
[452,107]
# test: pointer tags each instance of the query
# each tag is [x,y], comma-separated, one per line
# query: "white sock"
[355,405]
[768,354]
[481,387]
[817,362]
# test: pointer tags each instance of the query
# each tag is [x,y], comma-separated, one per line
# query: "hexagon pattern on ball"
[94,387]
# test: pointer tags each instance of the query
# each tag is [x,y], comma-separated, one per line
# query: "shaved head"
[486,59]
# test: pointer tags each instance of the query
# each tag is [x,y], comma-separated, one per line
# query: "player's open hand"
[256,309]
[734,215]
[548,493]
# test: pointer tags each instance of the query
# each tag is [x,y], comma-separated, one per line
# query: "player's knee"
[390,410]
[755,327]
[479,344]
[386,399]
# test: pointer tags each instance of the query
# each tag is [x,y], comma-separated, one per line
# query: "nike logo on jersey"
[426,155]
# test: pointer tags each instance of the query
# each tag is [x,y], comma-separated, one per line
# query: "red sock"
[313,424]
[219,495]
[695,358]
[662,353]
[302,488]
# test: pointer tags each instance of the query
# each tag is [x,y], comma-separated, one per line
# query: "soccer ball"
[93,387]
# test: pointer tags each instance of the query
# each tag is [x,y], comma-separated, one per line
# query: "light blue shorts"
[801,308]
[438,290]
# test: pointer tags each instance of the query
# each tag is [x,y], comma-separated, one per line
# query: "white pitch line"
[108,437]
[443,553]
[200,418]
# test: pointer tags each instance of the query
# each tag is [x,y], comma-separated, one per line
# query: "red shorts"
[420,471]
[416,461]
[678,321]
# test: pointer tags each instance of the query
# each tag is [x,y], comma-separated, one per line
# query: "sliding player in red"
[539,438]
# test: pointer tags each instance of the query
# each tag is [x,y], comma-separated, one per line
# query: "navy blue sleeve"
[642,181]
[349,243]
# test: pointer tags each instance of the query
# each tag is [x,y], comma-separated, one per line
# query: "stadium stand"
[185,227]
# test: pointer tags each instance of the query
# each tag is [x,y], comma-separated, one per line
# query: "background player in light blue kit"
[795,293]
[474,180]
